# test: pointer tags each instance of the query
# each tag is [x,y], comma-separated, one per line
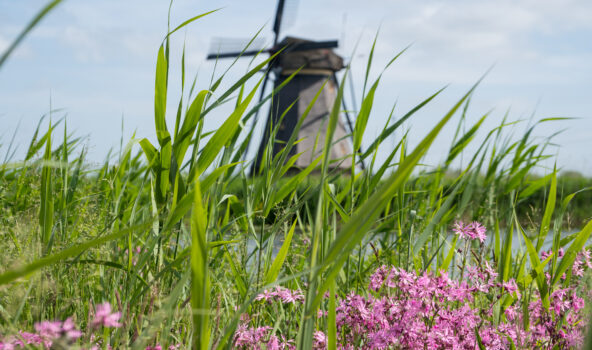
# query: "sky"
[96,60]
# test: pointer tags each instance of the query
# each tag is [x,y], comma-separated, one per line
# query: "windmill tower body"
[318,67]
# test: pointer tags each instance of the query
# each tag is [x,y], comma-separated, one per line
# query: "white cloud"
[85,44]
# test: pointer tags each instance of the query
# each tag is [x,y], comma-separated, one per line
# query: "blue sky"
[96,60]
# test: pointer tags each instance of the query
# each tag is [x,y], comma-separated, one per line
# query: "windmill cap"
[321,60]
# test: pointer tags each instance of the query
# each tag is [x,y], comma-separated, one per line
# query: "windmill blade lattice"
[232,47]
[285,16]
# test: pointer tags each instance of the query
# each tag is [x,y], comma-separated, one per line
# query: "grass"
[180,239]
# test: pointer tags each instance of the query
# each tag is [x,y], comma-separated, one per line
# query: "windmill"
[318,64]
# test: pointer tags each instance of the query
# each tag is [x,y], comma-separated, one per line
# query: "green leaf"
[464,141]
[448,259]
[332,320]
[238,279]
[506,255]
[362,118]
[222,135]
[479,341]
[277,264]
[160,97]
[391,129]
[240,83]
[150,151]
[535,185]
[188,22]
[46,206]
[546,222]
[200,283]
[535,261]
[214,175]
[570,254]
[183,139]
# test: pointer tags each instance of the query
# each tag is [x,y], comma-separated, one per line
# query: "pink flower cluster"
[410,311]
[66,332]
[261,337]
[105,318]
[253,338]
[583,259]
[282,294]
[47,333]
[471,231]
[405,310]
[158,347]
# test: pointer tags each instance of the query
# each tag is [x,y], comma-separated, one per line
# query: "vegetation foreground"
[173,245]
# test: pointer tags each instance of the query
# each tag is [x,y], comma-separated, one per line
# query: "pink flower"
[478,231]
[474,230]
[490,271]
[104,317]
[461,230]
[266,295]
[510,286]
[577,302]
[510,312]
[320,340]
[273,343]
[282,294]
[587,257]
[49,329]
[69,329]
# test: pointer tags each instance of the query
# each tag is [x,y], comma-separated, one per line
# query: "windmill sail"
[318,67]
[233,47]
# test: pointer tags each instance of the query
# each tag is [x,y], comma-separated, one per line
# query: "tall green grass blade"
[238,273]
[192,19]
[391,129]
[200,283]
[46,207]
[160,98]
[446,262]
[239,83]
[332,320]
[571,253]
[546,222]
[506,254]
[462,143]
[276,267]
[183,138]
[362,118]
[222,135]
[535,262]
